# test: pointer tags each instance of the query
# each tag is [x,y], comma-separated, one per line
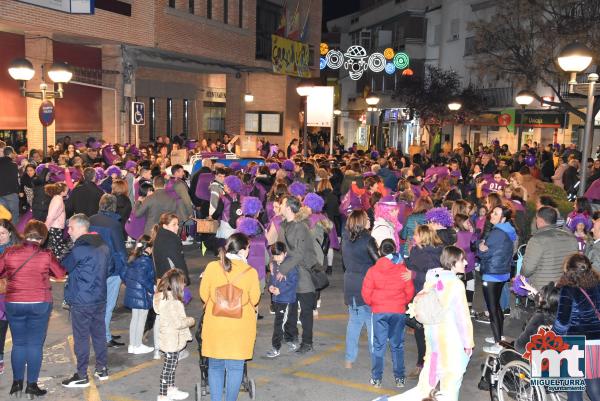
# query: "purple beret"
[248,226]
[234,183]
[314,202]
[440,215]
[288,165]
[130,164]
[113,170]
[251,206]
[297,189]
[273,166]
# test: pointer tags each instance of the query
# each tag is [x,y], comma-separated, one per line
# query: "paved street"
[317,376]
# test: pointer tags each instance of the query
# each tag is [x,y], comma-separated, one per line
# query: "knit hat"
[273,166]
[314,202]
[441,216]
[234,183]
[251,206]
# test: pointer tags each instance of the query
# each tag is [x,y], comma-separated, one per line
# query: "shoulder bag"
[228,298]
[4,280]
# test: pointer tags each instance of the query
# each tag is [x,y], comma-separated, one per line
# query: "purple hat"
[95,145]
[40,167]
[248,226]
[314,202]
[113,170]
[251,206]
[234,183]
[273,166]
[580,218]
[455,173]
[516,287]
[288,165]
[130,165]
[368,174]
[191,144]
[297,189]
[134,151]
[100,173]
[440,215]
[374,155]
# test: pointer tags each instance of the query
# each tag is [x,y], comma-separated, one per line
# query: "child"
[465,240]
[580,224]
[174,330]
[387,290]
[139,281]
[283,289]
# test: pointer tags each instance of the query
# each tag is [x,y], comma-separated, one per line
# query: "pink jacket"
[56,213]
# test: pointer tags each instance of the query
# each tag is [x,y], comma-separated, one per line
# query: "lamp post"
[372,100]
[21,70]
[336,122]
[304,90]
[524,98]
[575,58]
[454,106]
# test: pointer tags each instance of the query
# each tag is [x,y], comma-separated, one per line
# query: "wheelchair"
[507,378]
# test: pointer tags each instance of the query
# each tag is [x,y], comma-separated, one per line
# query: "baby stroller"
[248,385]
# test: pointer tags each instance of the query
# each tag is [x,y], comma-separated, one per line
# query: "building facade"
[189,61]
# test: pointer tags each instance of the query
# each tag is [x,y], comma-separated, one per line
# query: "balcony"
[497,97]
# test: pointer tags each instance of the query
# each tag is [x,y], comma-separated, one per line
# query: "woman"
[26,185]
[417,217]
[120,189]
[386,223]
[222,343]
[424,256]
[579,315]
[8,237]
[332,201]
[359,254]
[28,304]
[292,148]
[55,221]
[495,254]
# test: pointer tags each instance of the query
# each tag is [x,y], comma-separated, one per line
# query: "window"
[226,11]
[469,46]
[169,117]
[152,121]
[172,3]
[437,34]
[268,18]
[186,117]
[213,120]
[264,123]
[241,14]
[191,6]
[209,9]
[454,29]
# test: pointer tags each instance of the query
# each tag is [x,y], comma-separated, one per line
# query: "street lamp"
[336,123]
[304,90]
[524,98]
[337,112]
[454,105]
[21,70]
[576,58]
[248,97]
[372,99]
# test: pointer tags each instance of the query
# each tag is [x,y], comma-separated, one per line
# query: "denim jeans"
[388,326]
[216,378]
[11,202]
[113,284]
[357,317]
[592,388]
[28,325]
[505,297]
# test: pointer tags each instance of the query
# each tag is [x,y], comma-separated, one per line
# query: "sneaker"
[473,314]
[188,241]
[506,312]
[156,354]
[271,310]
[292,346]
[101,374]
[490,340]
[493,349]
[375,383]
[131,349]
[163,398]
[143,349]
[173,393]
[183,354]
[399,382]
[304,348]
[273,353]
[114,344]
[482,318]
[76,381]
[319,303]
[65,305]
[315,313]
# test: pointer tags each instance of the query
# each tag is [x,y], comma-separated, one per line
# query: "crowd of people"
[408,228]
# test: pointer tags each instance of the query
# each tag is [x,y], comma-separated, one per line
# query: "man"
[592,250]
[85,197]
[107,224]
[547,249]
[199,192]
[389,178]
[155,205]
[217,189]
[9,184]
[185,207]
[300,253]
[87,264]
[90,157]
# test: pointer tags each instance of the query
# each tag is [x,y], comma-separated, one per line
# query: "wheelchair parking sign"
[138,113]
[557,362]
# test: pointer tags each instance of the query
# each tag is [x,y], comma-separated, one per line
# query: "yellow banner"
[289,57]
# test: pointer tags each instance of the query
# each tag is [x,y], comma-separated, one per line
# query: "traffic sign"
[138,113]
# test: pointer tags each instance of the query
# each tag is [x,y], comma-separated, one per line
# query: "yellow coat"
[224,337]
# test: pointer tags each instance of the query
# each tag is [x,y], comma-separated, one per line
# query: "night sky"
[336,8]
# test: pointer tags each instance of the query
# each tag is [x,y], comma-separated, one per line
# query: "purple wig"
[234,183]
[113,170]
[253,171]
[100,173]
[374,155]
[580,218]
[441,216]
[385,207]
[130,165]
[40,167]
[297,189]
[288,165]
[273,166]
[314,202]
[248,226]
[251,206]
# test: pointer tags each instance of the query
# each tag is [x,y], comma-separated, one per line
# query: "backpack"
[428,307]
[228,298]
[235,210]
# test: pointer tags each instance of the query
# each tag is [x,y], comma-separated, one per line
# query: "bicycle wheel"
[514,384]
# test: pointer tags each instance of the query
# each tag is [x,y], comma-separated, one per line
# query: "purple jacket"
[463,241]
[256,254]
[202,187]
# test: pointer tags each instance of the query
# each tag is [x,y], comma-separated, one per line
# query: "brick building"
[189,61]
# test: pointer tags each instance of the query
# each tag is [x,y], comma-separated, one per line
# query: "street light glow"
[248,97]
[454,106]
[337,112]
[60,73]
[372,99]
[304,89]
[21,69]
[524,98]
[574,58]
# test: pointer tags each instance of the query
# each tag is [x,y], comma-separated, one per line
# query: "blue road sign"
[138,113]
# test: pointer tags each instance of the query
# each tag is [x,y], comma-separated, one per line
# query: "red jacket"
[384,289]
[31,283]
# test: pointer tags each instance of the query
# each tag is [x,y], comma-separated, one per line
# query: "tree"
[427,97]
[522,43]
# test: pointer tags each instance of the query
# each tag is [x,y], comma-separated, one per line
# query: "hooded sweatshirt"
[385,289]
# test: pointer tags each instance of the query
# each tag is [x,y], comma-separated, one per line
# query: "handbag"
[319,278]
[4,280]
[228,298]
[591,302]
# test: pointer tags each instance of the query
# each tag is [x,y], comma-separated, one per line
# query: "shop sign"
[289,57]
[215,94]
[46,113]
[320,107]
[507,119]
[67,6]
[551,120]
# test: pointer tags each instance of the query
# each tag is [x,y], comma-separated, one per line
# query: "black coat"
[9,184]
[85,199]
[332,204]
[41,200]
[167,245]
[570,178]
[123,209]
[358,256]
[421,260]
